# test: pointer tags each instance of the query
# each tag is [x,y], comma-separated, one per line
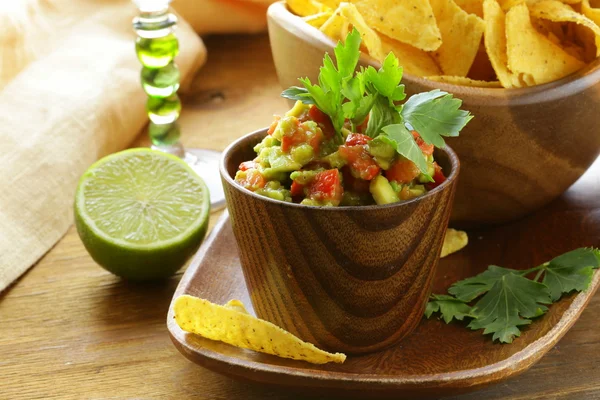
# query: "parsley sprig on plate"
[345,94]
[508,299]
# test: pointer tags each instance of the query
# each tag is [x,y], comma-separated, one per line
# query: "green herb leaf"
[347,54]
[359,106]
[510,300]
[382,115]
[570,271]
[343,95]
[326,101]
[297,93]
[404,143]
[471,288]
[510,303]
[449,307]
[327,95]
[386,81]
[435,114]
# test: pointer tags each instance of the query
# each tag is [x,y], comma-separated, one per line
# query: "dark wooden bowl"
[351,279]
[523,148]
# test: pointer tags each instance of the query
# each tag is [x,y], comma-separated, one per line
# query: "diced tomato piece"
[362,165]
[253,180]
[322,120]
[297,189]
[297,137]
[427,149]
[316,140]
[402,171]
[273,124]
[404,193]
[357,139]
[327,186]
[246,165]
[438,177]
[354,184]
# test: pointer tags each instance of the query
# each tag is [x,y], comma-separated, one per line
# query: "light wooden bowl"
[352,279]
[523,148]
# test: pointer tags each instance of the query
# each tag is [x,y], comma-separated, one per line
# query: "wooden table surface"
[69,329]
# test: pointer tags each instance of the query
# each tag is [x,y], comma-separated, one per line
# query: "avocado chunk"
[416,191]
[335,160]
[382,191]
[382,152]
[275,191]
[302,154]
[285,127]
[298,110]
[430,171]
[268,141]
[304,177]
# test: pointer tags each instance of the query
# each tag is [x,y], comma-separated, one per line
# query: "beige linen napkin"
[69,94]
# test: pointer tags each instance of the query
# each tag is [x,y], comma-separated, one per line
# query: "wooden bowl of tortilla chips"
[527,69]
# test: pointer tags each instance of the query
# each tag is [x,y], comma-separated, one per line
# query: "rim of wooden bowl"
[244,140]
[576,82]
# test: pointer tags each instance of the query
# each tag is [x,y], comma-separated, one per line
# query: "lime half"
[141,213]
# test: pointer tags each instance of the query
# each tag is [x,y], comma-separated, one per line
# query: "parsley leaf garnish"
[327,94]
[349,96]
[570,271]
[386,81]
[381,116]
[508,299]
[471,288]
[449,307]
[402,140]
[510,303]
[435,114]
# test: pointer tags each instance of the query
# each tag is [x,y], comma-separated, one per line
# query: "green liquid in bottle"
[161,82]
[164,134]
[157,52]
[163,110]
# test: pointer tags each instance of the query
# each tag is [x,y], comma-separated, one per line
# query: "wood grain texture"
[349,279]
[436,360]
[518,136]
[70,330]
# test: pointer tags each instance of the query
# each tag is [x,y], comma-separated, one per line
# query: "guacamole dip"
[302,160]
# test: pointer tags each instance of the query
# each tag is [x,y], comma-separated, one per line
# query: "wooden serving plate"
[435,360]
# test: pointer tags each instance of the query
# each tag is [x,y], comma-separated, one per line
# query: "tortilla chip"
[336,27]
[409,21]
[370,39]
[233,325]
[304,8]
[414,61]
[317,20]
[471,6]
[533,55]
[508,4]
[577,40]
[236,305]
[461,35]
[591,10]
[453,242]
[463,81]
[555,11]
[333,4]
[495,42]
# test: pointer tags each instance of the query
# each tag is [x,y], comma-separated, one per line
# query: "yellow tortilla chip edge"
[231,325]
